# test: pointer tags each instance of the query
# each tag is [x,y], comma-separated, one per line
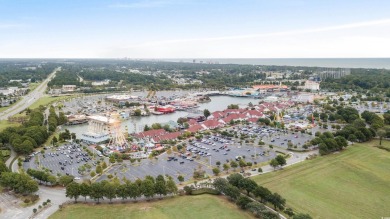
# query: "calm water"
[138,123]
[310,62]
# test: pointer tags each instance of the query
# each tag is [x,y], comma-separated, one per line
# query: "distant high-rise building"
[332,73]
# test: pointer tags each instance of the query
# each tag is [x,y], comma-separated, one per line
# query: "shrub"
[26,201]
[34,198]
[204,191]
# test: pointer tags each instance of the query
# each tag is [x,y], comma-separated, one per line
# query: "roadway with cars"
[28,99]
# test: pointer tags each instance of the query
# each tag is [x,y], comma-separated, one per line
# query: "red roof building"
[151,133]
[211,124]
[195,128]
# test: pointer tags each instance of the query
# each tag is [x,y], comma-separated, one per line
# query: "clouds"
[359,39]
[195,28]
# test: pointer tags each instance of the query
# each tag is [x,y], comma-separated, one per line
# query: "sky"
[194,28]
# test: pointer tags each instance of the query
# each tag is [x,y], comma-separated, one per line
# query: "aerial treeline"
[28,136]
[46,177]
[16,70]
[248,195]
[148,188]
[328,143]
[55,120]
[65,77]
[19,182]
[32,133]
[359,80]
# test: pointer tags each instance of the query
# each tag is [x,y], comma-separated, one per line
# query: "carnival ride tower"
[117,138]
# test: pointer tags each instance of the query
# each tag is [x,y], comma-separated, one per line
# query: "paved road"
[29,99]
[11,157]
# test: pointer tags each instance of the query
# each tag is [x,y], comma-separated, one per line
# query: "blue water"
[309,62]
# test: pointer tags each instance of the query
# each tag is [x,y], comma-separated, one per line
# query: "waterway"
[137,124]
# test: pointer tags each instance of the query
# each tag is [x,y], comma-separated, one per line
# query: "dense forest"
[359,80]
[24,70]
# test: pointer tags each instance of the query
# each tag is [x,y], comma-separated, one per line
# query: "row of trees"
[45,177]
[19,182]
[149,187]
[327,143]
[55,120]
[235,183]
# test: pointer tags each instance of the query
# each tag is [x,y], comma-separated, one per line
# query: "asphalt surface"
[186,163]
[70,156]
[28,99]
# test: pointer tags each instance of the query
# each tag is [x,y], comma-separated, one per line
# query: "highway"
[29,99]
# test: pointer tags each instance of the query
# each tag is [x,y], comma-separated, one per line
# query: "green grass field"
[183,207]
[5,123]
[46,100]
[352,184]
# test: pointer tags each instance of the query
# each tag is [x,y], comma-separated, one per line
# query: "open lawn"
[46,100]
[5,123]
[187,207]
[354,183]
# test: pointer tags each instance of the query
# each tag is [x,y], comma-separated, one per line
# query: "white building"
[68,88]
[311,85]
[101,83]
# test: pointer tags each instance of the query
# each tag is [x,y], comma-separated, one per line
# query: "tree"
[277,201]
[281,160]
[381,133]
[247,184]
[232,192]
[137,112]
[133,189]
[233,164]
[110,191]
[147,188]
[99,169]
[121,191]
[243,201]
[289,212]
[216,171]
[160,186]
[180,178]
[97,191]
[206,113]
[73,191]
[220,184]
[302,216]
[171,187]
[52,179]
[235,179]
[65,180]
[274,163]
[84,190]
[225,167]
[262,192]
[104,165]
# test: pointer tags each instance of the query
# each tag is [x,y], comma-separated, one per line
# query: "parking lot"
[198,154]
[64,160]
